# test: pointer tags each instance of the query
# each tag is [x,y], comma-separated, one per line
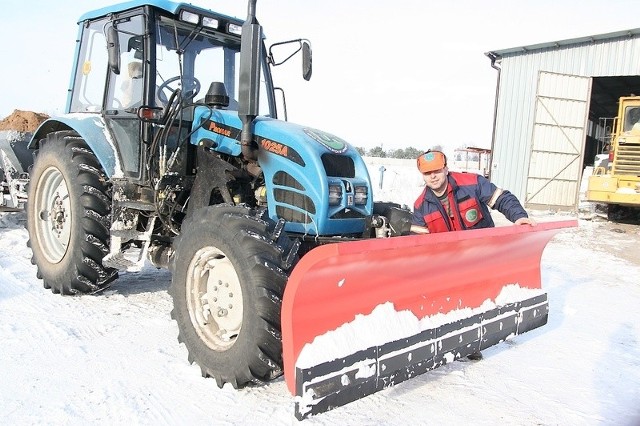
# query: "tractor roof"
[166,5]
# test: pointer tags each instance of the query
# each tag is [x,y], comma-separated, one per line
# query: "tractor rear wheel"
[68,211]
[229,273]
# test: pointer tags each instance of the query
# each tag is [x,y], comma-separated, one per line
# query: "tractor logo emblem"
[331,142]
[471,215]
[215,128]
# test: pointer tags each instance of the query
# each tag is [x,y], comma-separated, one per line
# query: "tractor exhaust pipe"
[249,93]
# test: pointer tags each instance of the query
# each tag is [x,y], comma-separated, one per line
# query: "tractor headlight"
[209,22]
[361,196]
[335,195]
[192,18]
[235,29]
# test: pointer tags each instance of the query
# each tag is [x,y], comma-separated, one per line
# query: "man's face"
[436,180]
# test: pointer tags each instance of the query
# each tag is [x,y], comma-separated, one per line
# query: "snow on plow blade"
[361,316]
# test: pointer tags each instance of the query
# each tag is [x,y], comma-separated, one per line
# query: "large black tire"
[229,273]
[623,214]
[68,216]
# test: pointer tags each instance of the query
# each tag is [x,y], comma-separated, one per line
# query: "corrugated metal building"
[551,102]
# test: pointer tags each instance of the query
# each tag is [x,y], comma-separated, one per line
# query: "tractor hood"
[223,128]
[315,180]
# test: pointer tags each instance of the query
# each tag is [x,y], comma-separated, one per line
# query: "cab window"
[91,70]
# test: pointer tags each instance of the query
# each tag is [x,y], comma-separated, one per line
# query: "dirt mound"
[22,121]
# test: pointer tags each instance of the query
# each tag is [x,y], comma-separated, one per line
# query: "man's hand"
[524,221]
[419,229]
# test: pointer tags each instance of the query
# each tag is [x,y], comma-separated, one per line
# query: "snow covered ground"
[114,358]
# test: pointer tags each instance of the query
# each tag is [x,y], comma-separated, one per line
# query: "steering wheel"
[190,88]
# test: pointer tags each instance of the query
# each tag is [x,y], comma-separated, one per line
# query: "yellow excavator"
[616,182]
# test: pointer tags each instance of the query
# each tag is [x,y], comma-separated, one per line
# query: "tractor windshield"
[192,57]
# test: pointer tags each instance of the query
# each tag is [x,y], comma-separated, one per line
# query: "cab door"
[126,92]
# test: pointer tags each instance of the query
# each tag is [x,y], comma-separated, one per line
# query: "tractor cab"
[145,54]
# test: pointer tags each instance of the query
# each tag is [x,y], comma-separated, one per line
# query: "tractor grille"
[291,215]
[627,161]
[292,198]
[338,165]
[295,199]
[285,179]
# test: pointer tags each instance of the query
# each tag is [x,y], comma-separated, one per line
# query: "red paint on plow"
[426,274]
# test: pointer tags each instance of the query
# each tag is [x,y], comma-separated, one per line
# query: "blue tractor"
[171,151]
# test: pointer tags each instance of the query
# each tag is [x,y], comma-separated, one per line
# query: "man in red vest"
[453,201]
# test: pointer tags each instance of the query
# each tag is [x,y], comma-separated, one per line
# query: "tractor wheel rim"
[53,214]
[214,298]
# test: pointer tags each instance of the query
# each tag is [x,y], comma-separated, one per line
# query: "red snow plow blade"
[361,316]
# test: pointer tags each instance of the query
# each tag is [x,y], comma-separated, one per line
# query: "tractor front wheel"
[229,274]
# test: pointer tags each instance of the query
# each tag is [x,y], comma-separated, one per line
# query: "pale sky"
[399,74]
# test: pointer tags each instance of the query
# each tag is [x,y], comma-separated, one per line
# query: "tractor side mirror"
[302,44]
[113,49]
[306,61]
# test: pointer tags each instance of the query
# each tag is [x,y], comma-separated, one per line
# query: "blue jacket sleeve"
[506,203]
[509,206]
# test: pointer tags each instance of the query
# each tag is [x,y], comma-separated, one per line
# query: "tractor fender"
[93,129]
